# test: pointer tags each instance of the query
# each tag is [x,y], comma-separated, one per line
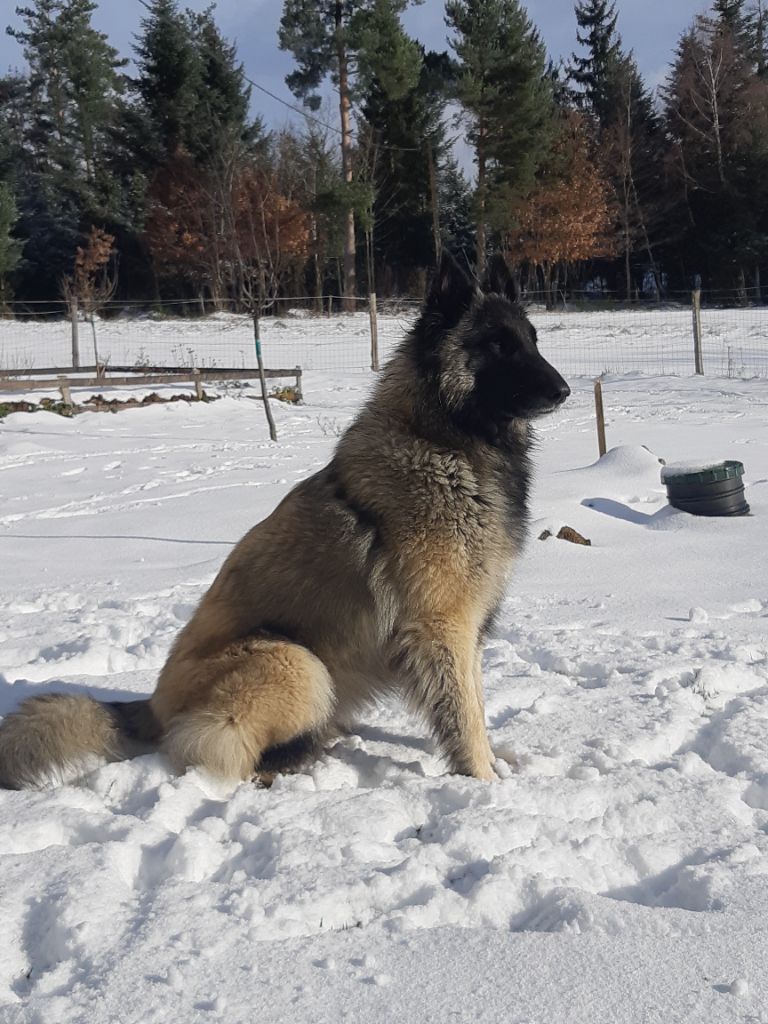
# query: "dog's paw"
[503,768]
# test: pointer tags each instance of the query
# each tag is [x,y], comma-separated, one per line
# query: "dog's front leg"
[437,665]
[477,676]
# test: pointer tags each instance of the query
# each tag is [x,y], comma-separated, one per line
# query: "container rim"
[729,469]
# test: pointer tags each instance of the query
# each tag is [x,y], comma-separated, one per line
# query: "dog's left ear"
[450,293]
[499,280]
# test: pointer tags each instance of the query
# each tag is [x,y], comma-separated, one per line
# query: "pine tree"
[628,141]
[717,116]
[408,138]
[757,35]
[507,101]
[222,112]
[338,38]
[457,232]
[10,246]
[71,95]
[730,14]
[168,84]
[73,83]
[591,73]
[631,151]
[14,113]
[93,83]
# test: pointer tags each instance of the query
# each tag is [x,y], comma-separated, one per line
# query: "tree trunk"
[434,202]
[742,286]
[480,230]
[345,106]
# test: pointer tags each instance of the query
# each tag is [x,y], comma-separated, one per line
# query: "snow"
[617,872]
[678,469]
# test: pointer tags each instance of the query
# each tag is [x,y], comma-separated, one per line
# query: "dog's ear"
[499,280]
[450,293]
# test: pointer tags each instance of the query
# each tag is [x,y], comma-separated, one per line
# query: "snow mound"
[625,461]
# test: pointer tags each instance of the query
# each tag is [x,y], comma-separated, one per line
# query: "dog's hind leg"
[254,695]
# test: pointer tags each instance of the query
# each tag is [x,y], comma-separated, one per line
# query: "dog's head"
[482,349]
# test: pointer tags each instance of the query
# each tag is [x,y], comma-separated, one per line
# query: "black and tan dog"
[380,574]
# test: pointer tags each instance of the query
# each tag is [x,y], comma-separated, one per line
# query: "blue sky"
[649,27]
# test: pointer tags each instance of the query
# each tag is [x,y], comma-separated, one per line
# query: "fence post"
[66,395]
[75,334]
[600,417]
[262,378]
[696,305]
[372,312]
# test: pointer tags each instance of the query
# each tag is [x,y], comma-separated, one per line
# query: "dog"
[381,574]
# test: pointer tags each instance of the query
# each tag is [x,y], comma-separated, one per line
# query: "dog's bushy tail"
[56,737]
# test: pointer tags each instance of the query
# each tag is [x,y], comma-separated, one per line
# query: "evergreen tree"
[592,72]
[507,101]
[730,14]
[14,113]
[717,116]
[10,247]
[168,85]
[73,83]
[631,152]
[339,38]
[71,94]
[191,128]
[222,112]
[628,140]
[457,233]
[757,34]
[93,82]
[408,138]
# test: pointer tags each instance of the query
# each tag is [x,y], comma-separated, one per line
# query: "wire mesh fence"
[645,338]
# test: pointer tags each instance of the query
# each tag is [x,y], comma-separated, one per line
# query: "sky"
[649,27]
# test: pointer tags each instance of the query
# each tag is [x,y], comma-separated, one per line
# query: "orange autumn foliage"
[208,229]
[569,216]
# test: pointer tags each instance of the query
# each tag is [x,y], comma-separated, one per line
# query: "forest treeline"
[156,179]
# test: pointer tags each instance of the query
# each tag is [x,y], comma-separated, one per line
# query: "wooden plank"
[145,380]
[54,371]
[178,371]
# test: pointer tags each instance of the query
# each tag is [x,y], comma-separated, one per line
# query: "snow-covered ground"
[618,873]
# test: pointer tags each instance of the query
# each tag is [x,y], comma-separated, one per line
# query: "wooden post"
[299,392]
[75,333]
[372,313]
[198,385]
[262,378]
[66,394]
[697,355]
[600,417]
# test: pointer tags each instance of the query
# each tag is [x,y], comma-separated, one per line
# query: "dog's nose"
[560,394]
